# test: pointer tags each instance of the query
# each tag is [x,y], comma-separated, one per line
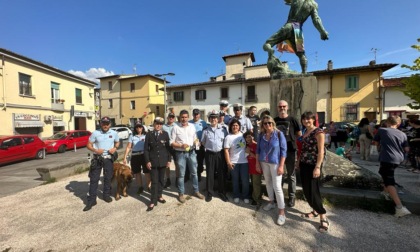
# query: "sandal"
[310,215]
[416,171]
[322,228]
[411,170]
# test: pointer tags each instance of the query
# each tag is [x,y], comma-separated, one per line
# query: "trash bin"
[121,144]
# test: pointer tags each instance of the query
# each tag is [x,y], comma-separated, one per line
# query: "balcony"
[251,98]
[57,105]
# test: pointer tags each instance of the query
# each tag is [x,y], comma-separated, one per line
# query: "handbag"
[368,135]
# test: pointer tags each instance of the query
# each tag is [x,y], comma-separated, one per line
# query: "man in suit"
[158,157]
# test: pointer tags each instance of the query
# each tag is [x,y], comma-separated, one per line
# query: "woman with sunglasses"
[237,163]
[310,163]
[271,154]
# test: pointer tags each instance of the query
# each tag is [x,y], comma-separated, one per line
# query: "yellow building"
[127,99]
[40,99]
[349,94]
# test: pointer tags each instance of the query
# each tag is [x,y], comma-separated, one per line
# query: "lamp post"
[164,89]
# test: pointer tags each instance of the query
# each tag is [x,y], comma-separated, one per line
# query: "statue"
[290,37]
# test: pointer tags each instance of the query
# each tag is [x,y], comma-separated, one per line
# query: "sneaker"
[401,212]
[236,200]
[281,220]
[199,195]
[269,206]
[246,201]
[386,195]
[181,198]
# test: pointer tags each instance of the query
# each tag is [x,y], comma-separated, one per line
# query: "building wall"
[367,95]
[114,94]
[323,104]
[38,107]
[256,72]
[395,100]
[235,65]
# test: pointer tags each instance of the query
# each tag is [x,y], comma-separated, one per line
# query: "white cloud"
[92,74]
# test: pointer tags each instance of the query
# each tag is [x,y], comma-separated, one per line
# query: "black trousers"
[214,164]
[200,159]
[157,175]
[310,186]
[95,174]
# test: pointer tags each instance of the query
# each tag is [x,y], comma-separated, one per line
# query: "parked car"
[65,140]
[20,147]
[123,132]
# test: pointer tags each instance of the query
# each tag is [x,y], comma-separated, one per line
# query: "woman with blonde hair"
[271,154]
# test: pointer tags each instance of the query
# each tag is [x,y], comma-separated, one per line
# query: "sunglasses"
[282,106]
[267,123]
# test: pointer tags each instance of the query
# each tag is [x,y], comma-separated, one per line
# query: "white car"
[123,132]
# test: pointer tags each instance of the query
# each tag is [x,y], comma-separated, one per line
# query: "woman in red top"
[251,147]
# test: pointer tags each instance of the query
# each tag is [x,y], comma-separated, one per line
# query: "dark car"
[65,140]
[20,147]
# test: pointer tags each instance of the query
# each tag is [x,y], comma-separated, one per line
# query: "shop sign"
[80,114]
[57,117]
[27,117]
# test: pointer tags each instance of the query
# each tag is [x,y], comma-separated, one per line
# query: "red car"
[20,147]
[65,140]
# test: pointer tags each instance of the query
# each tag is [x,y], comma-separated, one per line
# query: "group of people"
[235,146]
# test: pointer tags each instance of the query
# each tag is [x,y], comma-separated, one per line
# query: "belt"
[136,153]
[103,156]
[191,150]
[213,152]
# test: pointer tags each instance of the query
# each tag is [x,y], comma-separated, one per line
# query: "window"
[250,94]
[157,89]
[224,93]
[352,83]
[78,96]
[110,104]
[200,95]
[55,93]
[25,85]
[132,87]
[350,112]
[157,110]
[28,140]
[132,104]
[109,85]
[179,96]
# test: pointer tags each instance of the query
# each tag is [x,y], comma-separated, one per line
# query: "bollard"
[74,146]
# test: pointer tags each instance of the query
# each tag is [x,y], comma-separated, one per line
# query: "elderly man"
[170,123]
[245,122]
[199,125]
[291,130]
[212,141]
[103,143]
[183,140]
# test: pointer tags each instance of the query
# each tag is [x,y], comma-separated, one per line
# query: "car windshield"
[58,136]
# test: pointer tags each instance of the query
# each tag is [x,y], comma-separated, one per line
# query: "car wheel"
[39,154]
[62,149]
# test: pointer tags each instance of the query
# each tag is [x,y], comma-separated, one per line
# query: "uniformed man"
[103,143]
[168,126]
[158,157]
[245,122]
[212,141]
[224,106]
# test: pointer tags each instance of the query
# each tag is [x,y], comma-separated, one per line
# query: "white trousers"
[273,182]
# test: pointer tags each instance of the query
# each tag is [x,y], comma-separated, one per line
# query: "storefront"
[80,120]
[58,123]
[27,124]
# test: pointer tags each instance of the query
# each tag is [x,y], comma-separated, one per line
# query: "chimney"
[372,63]
[330,65]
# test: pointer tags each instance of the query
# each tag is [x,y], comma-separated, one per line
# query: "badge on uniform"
[110,136]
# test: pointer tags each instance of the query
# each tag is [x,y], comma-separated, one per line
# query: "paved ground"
[50,218]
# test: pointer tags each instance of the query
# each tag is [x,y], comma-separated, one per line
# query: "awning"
[28,124]
[59,124]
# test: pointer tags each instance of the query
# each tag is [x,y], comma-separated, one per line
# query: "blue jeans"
[240,172]
[182,158]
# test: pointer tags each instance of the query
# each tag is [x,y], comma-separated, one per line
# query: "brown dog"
[122,173]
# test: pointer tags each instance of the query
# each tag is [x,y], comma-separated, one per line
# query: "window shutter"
[204,95]
[196,94]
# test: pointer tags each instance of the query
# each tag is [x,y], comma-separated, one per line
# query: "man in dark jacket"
[158,158]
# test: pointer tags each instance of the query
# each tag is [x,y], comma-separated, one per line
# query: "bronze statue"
[290,37]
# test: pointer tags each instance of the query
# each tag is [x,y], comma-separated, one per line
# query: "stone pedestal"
[300,93]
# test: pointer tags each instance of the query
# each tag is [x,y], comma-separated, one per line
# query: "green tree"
[412,83]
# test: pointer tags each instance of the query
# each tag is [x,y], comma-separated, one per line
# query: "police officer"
[224,106]
[212,141]
[245,122]
[103,143]
[158,158]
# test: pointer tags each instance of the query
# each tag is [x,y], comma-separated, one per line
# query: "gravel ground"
[50,218]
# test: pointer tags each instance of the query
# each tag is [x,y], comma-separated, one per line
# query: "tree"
[412,84]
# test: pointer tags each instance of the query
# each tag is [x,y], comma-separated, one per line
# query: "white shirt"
[183,135]
[236,145]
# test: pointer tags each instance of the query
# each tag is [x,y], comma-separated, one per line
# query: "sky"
[95,38]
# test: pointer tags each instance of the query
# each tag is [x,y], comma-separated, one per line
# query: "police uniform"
[137,153]
[106,141]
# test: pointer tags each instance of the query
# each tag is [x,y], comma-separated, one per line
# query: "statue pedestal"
[300,93]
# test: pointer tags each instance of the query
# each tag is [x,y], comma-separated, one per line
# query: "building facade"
[128,99]
[40,99]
